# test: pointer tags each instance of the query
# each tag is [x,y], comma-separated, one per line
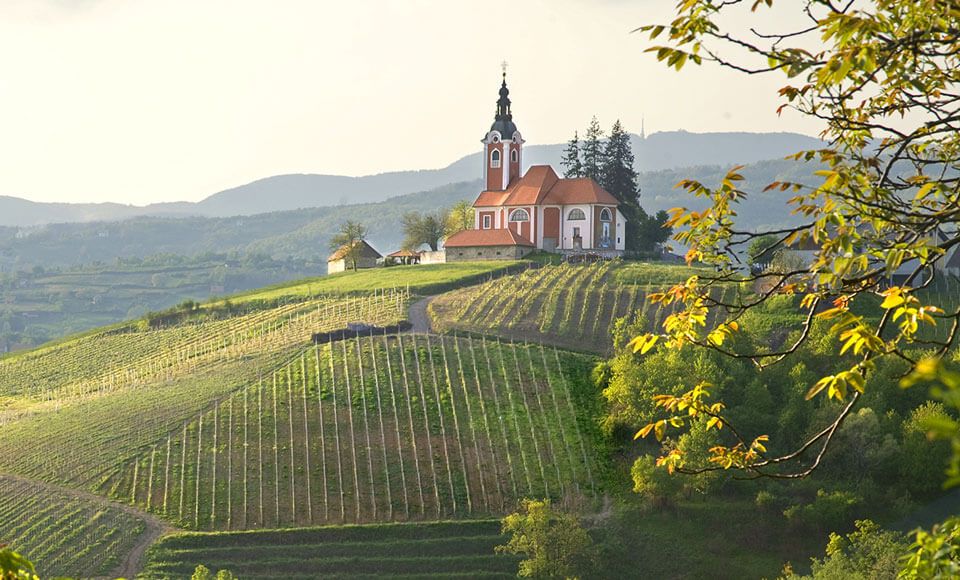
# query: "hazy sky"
[137,101]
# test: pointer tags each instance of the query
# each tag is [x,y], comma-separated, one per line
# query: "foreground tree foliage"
[13,566]
[554,543]
[880,221]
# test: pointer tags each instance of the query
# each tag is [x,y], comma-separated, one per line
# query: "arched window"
[514,156]
[495,159]
[605,215]
[576,215]
[519,215]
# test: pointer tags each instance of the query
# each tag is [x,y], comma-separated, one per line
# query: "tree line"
[609,161]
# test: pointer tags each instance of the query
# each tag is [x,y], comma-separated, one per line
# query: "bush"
[828,511]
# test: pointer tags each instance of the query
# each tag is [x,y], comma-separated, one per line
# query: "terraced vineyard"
[110,361]
[243,423]
[63,533]
[375,429]
[568,305]
[94,434]
[434,550]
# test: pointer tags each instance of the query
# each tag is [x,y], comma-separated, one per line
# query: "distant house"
[471,245]
[405,257]
[340,261]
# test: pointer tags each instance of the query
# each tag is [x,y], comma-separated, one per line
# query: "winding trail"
[132,563]
[419,317]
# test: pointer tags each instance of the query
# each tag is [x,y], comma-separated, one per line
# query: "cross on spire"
[503,67]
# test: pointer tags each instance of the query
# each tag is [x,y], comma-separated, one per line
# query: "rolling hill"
[658,152]
[229,418]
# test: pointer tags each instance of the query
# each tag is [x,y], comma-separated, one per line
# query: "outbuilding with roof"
[341,259]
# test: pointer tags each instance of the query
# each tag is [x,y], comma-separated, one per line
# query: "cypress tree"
[573,167]
[593,152]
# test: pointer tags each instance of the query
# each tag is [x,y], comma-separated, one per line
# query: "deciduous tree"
[350,236]
[554,543]
[883,78]
[459,218]
[423,229]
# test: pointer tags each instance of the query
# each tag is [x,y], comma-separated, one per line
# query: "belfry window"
[519,215]
[514,156]
[495,159]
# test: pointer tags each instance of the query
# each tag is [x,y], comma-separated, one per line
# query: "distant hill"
[304,234]
[658,152]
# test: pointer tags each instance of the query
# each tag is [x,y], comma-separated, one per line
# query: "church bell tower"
[503,145]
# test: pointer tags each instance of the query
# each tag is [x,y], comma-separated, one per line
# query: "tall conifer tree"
[617,174]
[573,167]
[593,151]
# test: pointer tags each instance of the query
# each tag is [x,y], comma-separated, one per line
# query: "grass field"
[62,533]
[376,429]
[422,279]
[434,550]
[573,306]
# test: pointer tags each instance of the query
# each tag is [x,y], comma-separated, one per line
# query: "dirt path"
[133,561]
[419,317]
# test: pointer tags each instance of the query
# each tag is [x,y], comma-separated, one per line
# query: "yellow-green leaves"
[689,406]
[908,311]
[925,190]
[721,332]
[644,343]
[838,386]
[893,297]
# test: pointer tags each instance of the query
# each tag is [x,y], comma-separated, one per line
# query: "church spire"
[503,104]
[503,122]
[503,145]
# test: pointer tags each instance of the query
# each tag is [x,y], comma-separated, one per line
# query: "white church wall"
[567,227]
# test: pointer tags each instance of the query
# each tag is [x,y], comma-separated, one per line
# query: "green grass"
[712,537]
[422,279]
[441,549]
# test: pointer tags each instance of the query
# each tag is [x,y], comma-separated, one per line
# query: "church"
[537,210]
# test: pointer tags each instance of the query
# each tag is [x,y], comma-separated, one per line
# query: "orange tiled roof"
[541,185]
[403,254]
[472,238]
